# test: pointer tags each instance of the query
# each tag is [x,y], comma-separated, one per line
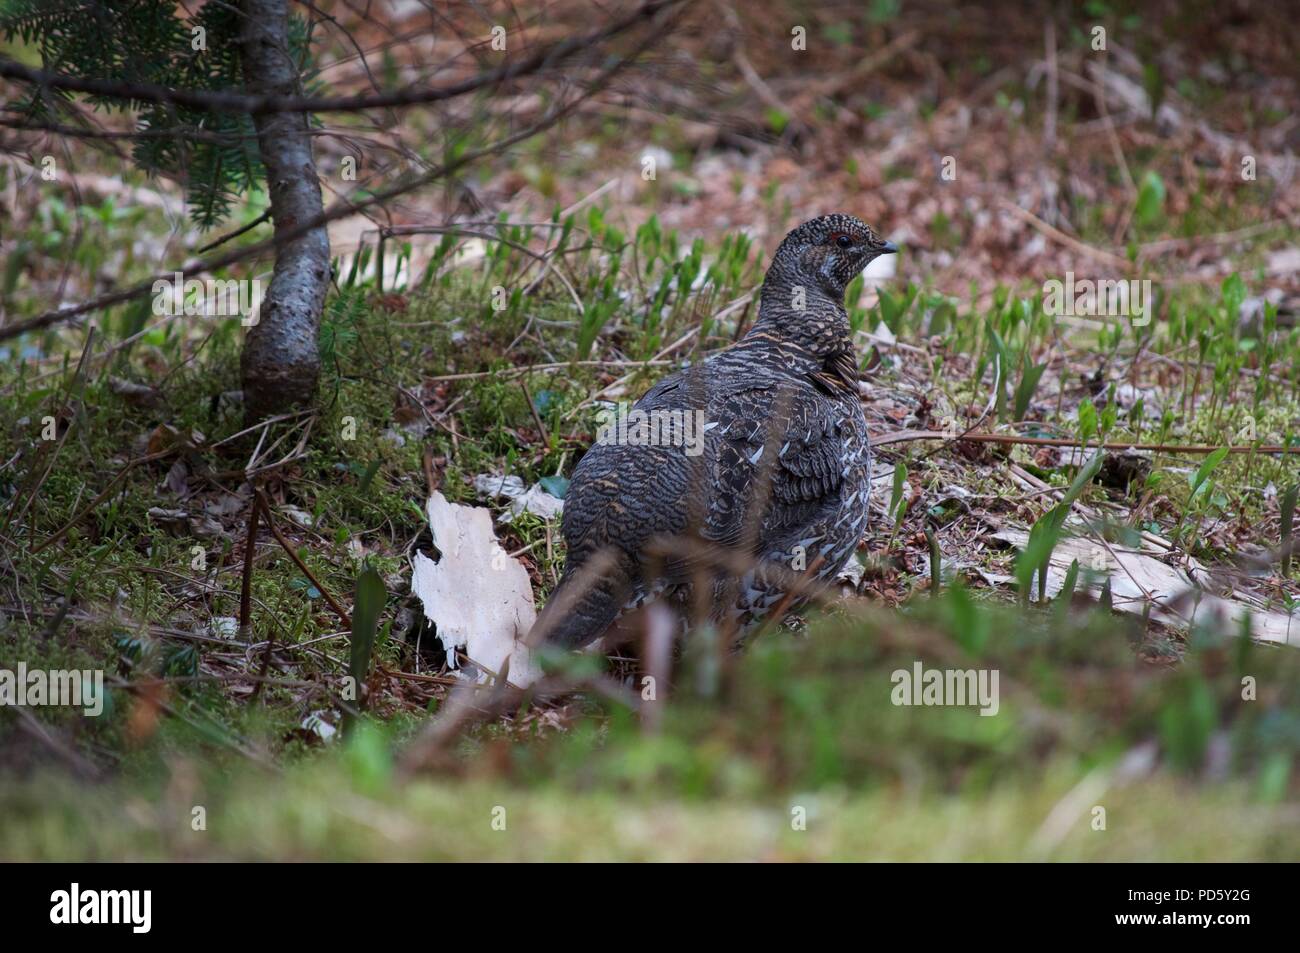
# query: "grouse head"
[827,252]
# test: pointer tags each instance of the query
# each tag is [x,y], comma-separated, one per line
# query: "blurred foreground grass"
[794,751]
[316,813]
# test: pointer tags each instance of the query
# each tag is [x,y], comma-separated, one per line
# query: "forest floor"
[1134,720]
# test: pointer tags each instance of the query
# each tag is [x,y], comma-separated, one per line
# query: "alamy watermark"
[133,908]
[1105,297]
[77,688]
[946,686]
[214,297]
[652,428]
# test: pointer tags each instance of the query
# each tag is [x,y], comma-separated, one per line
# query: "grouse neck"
[820,326]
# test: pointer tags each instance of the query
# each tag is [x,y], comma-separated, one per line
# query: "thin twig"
[311,577]
[246,587]
[217,242]
[537,419]
[905,436]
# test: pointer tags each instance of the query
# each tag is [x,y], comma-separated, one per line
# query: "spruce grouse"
[779,471]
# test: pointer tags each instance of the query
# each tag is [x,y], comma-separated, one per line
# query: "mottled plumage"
[784,472]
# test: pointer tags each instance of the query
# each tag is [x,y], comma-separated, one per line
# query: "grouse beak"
[888,248]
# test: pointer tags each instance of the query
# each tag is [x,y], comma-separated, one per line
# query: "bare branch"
[343,208]
[221,101]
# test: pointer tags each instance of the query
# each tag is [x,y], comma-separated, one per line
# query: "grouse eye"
[843,240]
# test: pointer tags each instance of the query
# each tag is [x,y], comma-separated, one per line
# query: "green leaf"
[1233,293]
[369,604]
[368,475]
[839,33]
[896,496]
[368,758]
[555,485]
[1067,588]
[1274,777]
[936,560]
[970,624]
[1207,467]
[1046,533]
[1151,199]
[304,585]
[545,400]
[1025,389]
[1087,419]
[1003,370]
[1187,721]
[1043,537]
[1087,473]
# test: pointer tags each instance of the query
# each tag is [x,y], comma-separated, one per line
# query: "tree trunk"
[281,360]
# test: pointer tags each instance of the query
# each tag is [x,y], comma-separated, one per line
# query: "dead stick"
[904,436]
[537,419]
[246,597]
[246,587]
[429,478]
[275,530]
